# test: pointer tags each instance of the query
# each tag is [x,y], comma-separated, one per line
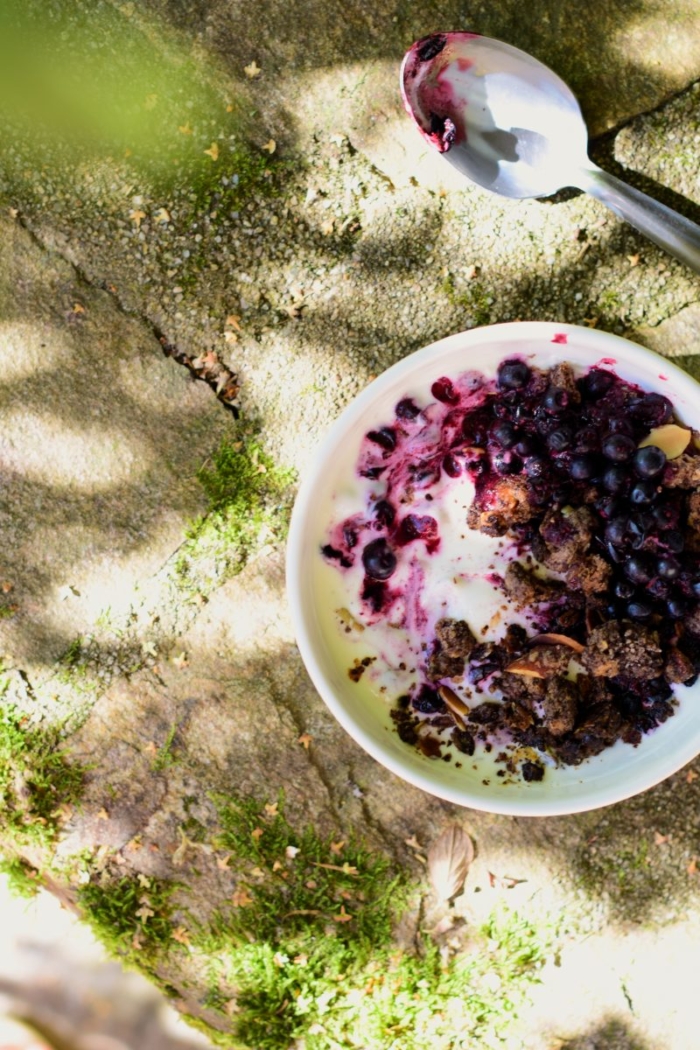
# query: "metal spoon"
[513,126]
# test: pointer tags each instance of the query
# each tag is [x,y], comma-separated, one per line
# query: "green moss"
[249,505]
[474,299]
[23,880]
[131,916]
[306,950]
[35,780]
[165,757]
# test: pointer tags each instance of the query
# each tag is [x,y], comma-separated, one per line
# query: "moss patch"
[249,506]
[36,779]
[306,951]
[131,917]
[23,880]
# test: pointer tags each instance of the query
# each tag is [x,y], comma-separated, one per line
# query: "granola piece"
[679,669]
[560,706]
[515,639]
[562,376]
[683,472]
[567,533]
[532,771]
[541,661]
[505,504]
[442,665]
[486,714]
[694,511]
[525,589]
[623,648]
[523,689]
[455,637]
[591,574]
[517,717]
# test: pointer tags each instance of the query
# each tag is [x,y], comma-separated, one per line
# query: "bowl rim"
[603,344]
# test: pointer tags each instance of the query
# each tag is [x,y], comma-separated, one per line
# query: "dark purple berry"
[583,466]
[560,439]
[587,439]
[407,409]
[638,569]
[535,466]
[624,589]
[609,507]
[677,608]
[620,425]
[385,437]
[442,390]
[642,492]
[504,434]
[349,537]
[639,611]
[417,527]
[696,588]
[513,375]
[618,448]
[384,513]
[649,461]
[616,480]
[596,384]
[428,702]
[669,568]
[652,410]
[673,540]
[507,462]
[555,400]
[379,560]
[665,515]
[659,588]
[451,466]
[616,531]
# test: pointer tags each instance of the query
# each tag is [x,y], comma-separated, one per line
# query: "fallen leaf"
[233,320]
[162,215]
[291,852]
[633,260]
[181,661]
[230,337]
[181,935]
[144,912]
[185,129]
[690,776]
[222,863]
[136,216]
[78,308]
[252,71]
[279,959]
[343,917]
[241,899]
[213,151]
[256,834]
[693,866]
[150,748]
[134,845]
[258,872]
[311,884]
[327,227]
[271,809]
[6,586]
[337,847]
[449,857]
[102,814]
[413,842]
[660,840]
[305,739]
[229,108]
[270,146]
[149,649]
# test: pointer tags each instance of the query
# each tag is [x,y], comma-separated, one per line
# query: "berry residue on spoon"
[581,495]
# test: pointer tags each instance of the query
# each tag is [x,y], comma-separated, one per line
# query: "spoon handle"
[671,231]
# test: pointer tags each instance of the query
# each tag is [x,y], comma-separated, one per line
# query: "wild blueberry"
[451,466]
[616,531]
[504,434]
[673,540]
[652,410]
[665,515]
[442,390]
[659,588]
[535,466]
[596,384]
[624,589]
[384,513]
[616,480]
[608,506]
[427,701]
[677,608]
[379,560]
[560,439]
[513,375]
[385,437]
[507,462]
[642,492]
[649,461]
[526,446]
[587,439]
[669,568]
[583,466]
[639,611]
[638,569]
[618,448]
[407,409]
[555,400]
[620,425]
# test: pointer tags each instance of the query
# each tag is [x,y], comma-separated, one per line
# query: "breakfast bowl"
[468,644]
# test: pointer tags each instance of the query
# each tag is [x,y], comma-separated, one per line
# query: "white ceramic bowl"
[315,588]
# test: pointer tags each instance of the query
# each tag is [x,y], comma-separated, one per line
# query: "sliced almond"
[454,703]
[670,438]
[526,666]
[557,639]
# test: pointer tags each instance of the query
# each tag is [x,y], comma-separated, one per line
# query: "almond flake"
[670,438]
[558,639]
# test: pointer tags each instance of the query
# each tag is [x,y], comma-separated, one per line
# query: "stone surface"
[353,248]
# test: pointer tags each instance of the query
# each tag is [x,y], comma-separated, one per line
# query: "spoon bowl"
[512,126]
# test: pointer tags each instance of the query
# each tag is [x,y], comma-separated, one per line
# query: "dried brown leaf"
[449,857]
